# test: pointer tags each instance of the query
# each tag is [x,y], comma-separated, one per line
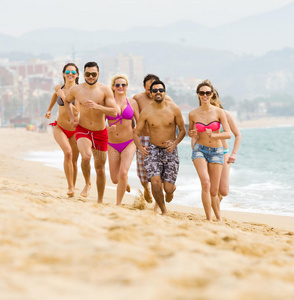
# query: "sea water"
[261,179]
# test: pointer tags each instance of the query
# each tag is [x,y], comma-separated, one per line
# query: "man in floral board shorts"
[161,157]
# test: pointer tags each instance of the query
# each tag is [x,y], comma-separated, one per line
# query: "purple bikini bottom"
[120,146]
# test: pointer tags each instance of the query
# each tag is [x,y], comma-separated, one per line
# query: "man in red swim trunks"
[95,101]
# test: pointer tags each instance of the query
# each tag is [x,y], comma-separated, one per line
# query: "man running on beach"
[144,99]
[96,100]
[161,157]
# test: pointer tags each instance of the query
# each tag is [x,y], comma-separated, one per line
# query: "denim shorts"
[211,155]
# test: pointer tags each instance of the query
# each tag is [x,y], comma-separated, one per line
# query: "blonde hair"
[214,100]
[121,76]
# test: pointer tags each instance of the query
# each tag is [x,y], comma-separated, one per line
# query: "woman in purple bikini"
[121,148]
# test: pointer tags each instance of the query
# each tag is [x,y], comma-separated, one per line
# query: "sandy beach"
[55,247]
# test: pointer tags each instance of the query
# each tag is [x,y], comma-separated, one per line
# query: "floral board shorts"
[161,163]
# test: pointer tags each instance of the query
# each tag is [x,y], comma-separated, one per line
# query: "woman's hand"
[209,132]
[193,133]
[48,114]
[111,128]
[231,159]
[74,122]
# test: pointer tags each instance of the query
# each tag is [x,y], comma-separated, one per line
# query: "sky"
[18,16]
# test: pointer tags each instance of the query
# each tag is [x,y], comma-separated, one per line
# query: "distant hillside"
[239,76]
[253,35]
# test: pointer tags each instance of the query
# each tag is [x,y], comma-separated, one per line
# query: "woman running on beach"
[63,131]
[228,159]
[121,148]
[207,154]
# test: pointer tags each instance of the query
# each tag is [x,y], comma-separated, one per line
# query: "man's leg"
[157,191]
[169,189]
[84,146]
[142,176]
[100,159]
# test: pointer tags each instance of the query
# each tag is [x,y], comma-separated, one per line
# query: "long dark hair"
[77,69]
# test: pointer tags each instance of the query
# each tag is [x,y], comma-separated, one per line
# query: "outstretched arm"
[182,130]
[226,134]
[110,107]
[67,103]
[237,134]
[52,103]
[139,128]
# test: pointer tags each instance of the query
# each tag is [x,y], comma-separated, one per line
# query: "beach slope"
[55,247]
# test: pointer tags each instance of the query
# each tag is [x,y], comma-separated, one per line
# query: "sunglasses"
[88,74]
[208,93]
[118,85]
[157,90]
[73,72]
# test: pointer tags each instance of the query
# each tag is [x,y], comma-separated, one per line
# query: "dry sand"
[54,247]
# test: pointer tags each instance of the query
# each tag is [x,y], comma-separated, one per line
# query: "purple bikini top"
[127,114]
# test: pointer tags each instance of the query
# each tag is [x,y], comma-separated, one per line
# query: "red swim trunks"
[68,133]
[98,138]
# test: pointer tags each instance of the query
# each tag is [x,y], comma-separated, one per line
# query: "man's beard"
[91,83]
[158,101]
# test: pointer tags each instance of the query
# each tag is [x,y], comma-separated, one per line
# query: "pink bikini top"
[127,114]
[214,126]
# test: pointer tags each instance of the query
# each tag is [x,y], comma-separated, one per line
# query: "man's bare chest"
[161,119]
[96,96]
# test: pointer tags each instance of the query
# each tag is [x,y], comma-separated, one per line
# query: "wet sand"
[55,247]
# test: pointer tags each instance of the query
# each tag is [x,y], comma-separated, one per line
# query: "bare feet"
[156,208]
[169,197]
[86,191]
[147,196]
[71,192]
[128,188]
[158,211]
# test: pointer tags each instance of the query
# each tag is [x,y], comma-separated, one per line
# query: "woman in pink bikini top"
[207,154]
[121,148]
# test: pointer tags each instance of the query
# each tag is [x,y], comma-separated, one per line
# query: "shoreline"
[266,122]
[136,186]
[56,247]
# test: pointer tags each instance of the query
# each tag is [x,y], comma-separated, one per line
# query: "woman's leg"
[215,171]
[75,156]
[125,163]
[202,170]
[225,177]
[64,144]
[114,163]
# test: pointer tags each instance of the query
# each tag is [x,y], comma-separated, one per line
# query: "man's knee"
[86,158]
[156,185]
[169,189]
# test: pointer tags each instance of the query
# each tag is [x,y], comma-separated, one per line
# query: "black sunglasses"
[157,90]
[118,85]
[88,74]
[208,93]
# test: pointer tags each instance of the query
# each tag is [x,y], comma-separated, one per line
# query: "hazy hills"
[186,49]
[253,35]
